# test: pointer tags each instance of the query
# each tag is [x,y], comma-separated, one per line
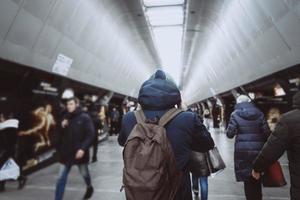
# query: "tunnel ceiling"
[226,43]
[108,40]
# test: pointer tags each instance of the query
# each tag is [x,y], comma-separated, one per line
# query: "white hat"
[242,99]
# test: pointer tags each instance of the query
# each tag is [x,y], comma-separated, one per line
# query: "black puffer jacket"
[249,126]
[79,134]
[286,136]
[8,140]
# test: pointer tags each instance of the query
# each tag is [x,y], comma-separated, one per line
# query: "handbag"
[215,161]
[273,176]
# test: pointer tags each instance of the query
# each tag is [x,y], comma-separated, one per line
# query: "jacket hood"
[159,92]
[247,111]
[296,100]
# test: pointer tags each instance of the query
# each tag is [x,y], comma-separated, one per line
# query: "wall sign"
[62,65]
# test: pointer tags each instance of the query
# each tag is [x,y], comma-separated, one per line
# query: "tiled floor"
[107,173]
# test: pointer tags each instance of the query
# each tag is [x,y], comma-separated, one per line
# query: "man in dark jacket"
[286,136]
[73,145]
[185,132]
[250,127]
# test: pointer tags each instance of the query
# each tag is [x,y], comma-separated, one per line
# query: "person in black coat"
[286,137]
[73,143]
[8,146]
[250,127]
[185,132]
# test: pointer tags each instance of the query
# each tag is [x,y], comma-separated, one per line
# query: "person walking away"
[72,144]
[200,170]
[94,114]
[286,137]
[114,119]
[206,118]
[250,129]
[201,179]
[184,132]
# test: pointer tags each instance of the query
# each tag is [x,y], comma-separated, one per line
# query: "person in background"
[94,114]
[8,145]
[114,121]
[202,178]
[286,137]
[72,144]
[249,126]
[273,118]
[206,116]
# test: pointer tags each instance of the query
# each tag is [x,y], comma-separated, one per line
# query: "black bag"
[215,161]
[198,164]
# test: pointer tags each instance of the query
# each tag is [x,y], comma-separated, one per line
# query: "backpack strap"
[168,116]
[140,116]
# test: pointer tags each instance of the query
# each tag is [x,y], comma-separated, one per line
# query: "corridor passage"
[107,178]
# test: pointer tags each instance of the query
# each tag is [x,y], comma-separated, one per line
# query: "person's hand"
[80,153]
[64,123]
[21,133]
[256,175]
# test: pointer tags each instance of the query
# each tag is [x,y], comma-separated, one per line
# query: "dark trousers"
[114,127]
[184,192]
[95,147]
[253,189]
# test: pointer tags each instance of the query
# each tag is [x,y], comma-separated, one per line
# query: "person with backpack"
[250,129]
[158,140]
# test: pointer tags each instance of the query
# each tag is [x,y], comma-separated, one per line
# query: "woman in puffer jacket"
[250,129]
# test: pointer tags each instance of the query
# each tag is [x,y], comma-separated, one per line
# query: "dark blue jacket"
[79,134]
[185,131]
[250,127]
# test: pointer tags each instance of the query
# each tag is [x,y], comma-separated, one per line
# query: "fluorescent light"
[150,3]
[169,46]
[165,16]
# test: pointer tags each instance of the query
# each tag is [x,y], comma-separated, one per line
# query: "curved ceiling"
[108,40]
[230,43]
[226,43]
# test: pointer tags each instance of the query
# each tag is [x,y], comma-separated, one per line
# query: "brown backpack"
[150,171]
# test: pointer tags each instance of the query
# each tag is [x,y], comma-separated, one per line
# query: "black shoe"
[89,192]
[22,183]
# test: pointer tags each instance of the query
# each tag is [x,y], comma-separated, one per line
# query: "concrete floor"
[107,173]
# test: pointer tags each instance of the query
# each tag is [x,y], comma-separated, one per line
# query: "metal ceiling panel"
[8,11]
[103,38]
[226,43]
[252,39]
